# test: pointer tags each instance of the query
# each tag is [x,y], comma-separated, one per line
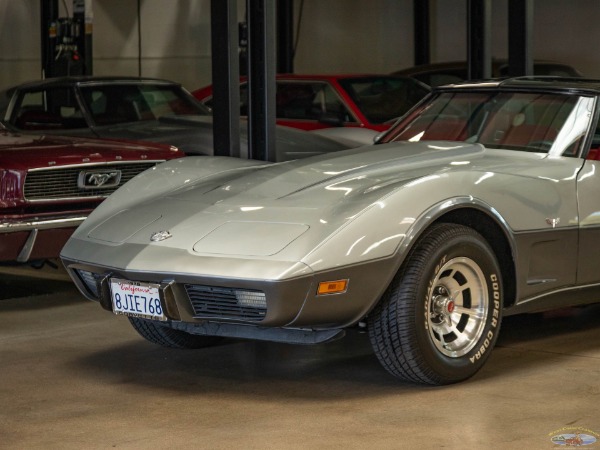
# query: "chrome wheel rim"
[458,306]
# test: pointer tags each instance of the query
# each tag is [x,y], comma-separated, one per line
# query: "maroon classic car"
[49,184]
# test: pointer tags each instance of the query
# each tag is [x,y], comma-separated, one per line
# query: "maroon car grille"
[220,302]
[63,183]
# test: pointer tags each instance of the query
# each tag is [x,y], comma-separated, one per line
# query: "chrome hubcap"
[457,307]
[442,306]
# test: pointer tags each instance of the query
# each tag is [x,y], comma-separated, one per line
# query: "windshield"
[135,102]
[528,121]
[382,99]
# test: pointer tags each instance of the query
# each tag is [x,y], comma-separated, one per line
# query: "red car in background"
[49,184]
[312,102]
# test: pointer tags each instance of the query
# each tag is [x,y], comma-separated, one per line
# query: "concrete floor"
[73,376]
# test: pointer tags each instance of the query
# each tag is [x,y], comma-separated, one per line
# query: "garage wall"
[563,30]
[354,35]
[175,40]
[334,36]
[569,30]
[19,41]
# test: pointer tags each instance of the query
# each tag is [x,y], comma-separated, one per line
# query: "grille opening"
[63,183]
[91,281]
[227,303]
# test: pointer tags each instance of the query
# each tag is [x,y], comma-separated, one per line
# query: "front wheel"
[440,317]
[161,334]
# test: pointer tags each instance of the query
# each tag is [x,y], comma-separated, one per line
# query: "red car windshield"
[510,120]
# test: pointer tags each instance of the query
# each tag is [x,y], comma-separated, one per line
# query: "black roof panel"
[553,83]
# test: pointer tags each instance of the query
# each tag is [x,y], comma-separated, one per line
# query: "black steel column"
[261,81]
[421,31]
[48,15]
[225,76]
[520,27]
[285,36]
[479,19]
[83,17]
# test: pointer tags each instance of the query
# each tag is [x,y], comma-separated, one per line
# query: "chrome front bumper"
[42,224]
[21,238]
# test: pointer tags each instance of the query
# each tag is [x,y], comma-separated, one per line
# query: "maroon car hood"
[22,152]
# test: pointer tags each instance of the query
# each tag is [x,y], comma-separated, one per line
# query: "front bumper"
[30,240]
[41,224]
[211,305]
[196,299]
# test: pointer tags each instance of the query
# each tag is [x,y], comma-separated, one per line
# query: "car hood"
[22,152]
[328,189]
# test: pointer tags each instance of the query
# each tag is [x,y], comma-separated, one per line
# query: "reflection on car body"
[481,202]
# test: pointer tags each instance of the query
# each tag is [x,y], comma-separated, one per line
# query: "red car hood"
[22,152]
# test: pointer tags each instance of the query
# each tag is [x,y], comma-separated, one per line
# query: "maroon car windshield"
[506,120]
[134,102]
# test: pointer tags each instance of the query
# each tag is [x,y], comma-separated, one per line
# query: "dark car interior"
[48,109]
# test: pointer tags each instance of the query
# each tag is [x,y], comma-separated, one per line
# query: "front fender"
[370,277]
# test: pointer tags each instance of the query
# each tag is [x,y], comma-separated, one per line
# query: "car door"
[588,193]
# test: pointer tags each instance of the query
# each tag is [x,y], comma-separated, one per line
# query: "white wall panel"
[569,30]
[354,36]
[563,30]
[20,53]
[175,39]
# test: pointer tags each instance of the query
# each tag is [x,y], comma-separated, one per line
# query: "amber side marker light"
[332,287]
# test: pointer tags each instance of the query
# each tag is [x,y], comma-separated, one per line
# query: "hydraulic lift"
[66,40]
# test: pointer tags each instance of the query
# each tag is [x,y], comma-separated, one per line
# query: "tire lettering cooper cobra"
[440,317]
[495,318]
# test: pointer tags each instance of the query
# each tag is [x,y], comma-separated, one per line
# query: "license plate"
[136,299]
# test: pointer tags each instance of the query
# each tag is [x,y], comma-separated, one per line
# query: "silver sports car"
[483,201]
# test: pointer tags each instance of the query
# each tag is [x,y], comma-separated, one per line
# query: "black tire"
[439,319]
[161,334]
